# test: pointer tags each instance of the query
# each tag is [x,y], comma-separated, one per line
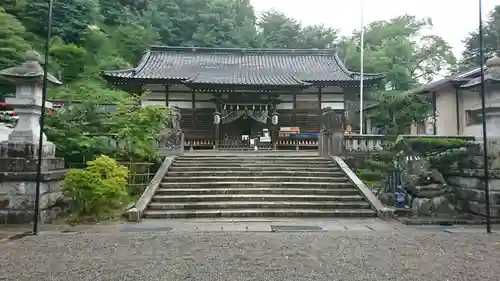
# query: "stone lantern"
[19,153]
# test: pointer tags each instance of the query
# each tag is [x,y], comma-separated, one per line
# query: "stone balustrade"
[363,143]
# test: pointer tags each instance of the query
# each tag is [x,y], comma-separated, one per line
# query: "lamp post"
[36,218]
[483,112]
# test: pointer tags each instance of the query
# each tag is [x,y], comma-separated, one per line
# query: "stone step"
[250,165]
[232,173]
[252,158]
[250,178]
[255,184]
[259,213]
[258,190]
[247,161]
[254,197]
[227,168]
[259,205]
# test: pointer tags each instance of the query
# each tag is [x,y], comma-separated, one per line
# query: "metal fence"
[139,174]
[395,178]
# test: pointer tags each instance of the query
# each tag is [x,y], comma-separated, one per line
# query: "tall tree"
[397,48]
[491,41]
[317,36]
[12,46]
[70,18]
[225,23]
[396,112]
[280,31]
[12,41]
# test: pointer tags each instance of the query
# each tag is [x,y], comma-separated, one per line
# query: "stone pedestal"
[19,153]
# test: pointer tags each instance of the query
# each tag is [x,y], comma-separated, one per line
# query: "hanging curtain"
[258,115]
[229,116]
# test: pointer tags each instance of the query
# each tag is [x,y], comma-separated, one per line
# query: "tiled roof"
[491,73]
[240,66]
[477,81]
[459,77]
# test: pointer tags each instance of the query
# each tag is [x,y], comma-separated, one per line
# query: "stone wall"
[17,201]
[470,190]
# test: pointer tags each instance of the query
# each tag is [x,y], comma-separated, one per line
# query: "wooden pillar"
[217,126]
[294,112]
[320,99]
[274,128]
[167,90]
[368,125]
[320,96]
[193,106]
[434,111]
[457,108]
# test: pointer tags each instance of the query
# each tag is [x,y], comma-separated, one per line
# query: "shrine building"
[233,95]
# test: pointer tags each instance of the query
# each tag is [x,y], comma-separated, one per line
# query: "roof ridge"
[158,48]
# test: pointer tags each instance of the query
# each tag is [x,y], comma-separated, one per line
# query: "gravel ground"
[238,256]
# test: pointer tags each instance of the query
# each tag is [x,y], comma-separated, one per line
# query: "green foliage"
[13,7]
[92,126]
[71,60]
[92,90]
[98,191]
[376,167]
[280,31]
[134,39]
[12,41]
[139,130]
[491,30]
[13,45]
[396,112]
[371,175]
[112,34]
[70,18]
[442,153]
[428,146]
[396,47]
[446,160]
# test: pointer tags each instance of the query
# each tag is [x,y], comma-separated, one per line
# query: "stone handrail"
[135,213]
[369,142]
[382,211]
[363,143]
[173,144]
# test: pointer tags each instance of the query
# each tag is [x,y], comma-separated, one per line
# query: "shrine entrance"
[245,129]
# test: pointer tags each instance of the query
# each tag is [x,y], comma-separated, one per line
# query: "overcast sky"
[453,19]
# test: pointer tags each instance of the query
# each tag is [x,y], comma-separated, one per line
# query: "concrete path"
[261,225]
[244,225]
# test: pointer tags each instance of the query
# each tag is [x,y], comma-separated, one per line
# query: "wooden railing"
[193,144]
[296,143]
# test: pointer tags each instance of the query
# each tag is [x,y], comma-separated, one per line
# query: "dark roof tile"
[240,66]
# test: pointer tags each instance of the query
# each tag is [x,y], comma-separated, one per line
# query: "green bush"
[370,175]
[427,146]
[98,191]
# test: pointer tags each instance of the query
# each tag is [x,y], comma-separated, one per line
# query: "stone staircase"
[256,185]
